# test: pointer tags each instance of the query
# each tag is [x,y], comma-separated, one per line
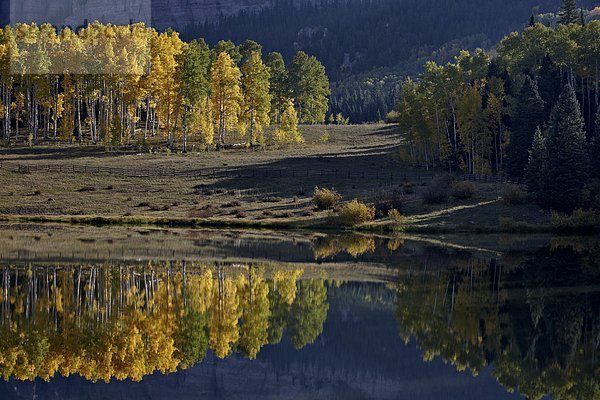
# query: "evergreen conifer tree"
[279,84]
[310,88]
[567,163]
[535,168]
[549,86]
[568,12]
[529,114]
[193,72]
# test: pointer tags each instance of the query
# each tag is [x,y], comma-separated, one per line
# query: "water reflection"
[536,323]
[107,321]
[408,318]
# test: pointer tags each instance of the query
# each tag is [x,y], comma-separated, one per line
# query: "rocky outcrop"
[161,14]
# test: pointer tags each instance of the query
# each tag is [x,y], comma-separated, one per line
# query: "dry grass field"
[240,184]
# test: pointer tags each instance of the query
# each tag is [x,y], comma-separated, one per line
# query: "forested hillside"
[356,36]
[532,111]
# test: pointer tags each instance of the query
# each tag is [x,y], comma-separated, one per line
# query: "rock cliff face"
[75,12]
[180,13]
[161,14]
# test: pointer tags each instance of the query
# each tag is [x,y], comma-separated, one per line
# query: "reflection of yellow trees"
[224,331]
[355,245]
[255,313]
[105,322]
[282,294]
[285,284]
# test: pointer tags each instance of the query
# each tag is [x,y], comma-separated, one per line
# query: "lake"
[142,313]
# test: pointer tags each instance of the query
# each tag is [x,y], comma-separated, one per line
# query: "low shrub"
[158,208]
[580,221]
[463,190]
[142,146]
[232,204]
[240,214]
[397,218]
[307,213]
[204,212]
[271,199]
[508,224]
[438,190]
[355,213]
[512,195]
[385,201]
[326,199]
[285,214]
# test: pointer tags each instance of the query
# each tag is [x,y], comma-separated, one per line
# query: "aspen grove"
[117,85]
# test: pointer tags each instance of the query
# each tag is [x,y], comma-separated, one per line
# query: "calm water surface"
[92,313]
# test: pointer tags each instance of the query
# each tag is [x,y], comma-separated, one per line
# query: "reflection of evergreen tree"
[192,338]
[308,312]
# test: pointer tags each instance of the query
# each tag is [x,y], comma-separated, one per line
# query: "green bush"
[438,190]
[355,213]
[580,221]
[463,190]
[326,199]
[590,195]
[512,195]
[384,201]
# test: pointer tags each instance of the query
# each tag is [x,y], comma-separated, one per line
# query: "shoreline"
[312,225]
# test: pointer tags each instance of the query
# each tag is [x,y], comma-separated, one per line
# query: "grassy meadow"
[256,188]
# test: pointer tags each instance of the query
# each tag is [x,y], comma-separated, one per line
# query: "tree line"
[117,84]
[480,113]
[361,42]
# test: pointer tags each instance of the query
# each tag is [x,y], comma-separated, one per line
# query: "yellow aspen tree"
[257,97]
[202,122]
[469,127]
[165,50]
[288,129]
[226,95]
